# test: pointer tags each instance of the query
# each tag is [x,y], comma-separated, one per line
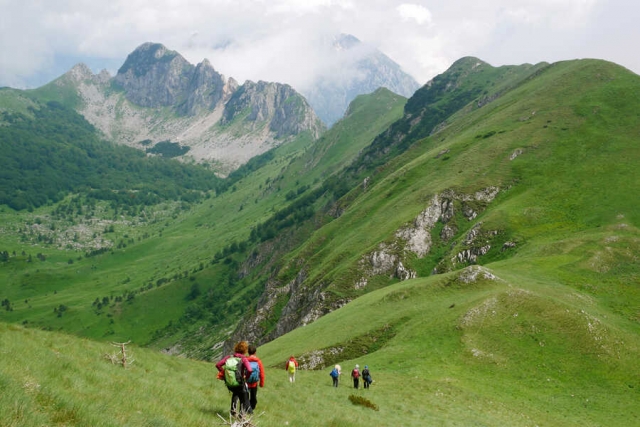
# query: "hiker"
[290,367]
[235,369]
[335,375]
[366,377]
[257,376]
[355,374]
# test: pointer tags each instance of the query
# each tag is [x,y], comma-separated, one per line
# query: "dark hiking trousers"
[253,397]
[240,394]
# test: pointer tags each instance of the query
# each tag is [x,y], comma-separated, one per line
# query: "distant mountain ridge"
[157,96]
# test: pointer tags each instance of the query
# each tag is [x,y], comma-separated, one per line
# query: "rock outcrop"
[304,300]
[285,111]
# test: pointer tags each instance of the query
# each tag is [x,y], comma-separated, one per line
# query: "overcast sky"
[277,40]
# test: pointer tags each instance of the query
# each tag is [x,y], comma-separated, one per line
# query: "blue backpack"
[255,372]
[334,373]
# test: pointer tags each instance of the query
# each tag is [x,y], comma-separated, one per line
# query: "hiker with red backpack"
[257,376]
[290,367]
[234,370]
[355,374]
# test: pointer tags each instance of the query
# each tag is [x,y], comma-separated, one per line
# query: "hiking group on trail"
[243,374]
[355,375]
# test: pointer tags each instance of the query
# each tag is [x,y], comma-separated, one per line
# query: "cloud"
[281,40]
[415,12]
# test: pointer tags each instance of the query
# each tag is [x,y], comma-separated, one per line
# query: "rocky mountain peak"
[146,57]
[213,117]
[154,76]
[359,69]
[345,42]
[104,76]
[206,89]
[286,111]
[80,72]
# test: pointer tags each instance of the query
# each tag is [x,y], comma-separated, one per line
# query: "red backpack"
[355,373]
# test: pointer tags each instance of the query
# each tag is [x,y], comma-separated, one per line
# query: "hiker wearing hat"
[366,377]
[355,374]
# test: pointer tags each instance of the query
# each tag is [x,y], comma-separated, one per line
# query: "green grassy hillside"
[559,150]
[520,196]
[154,273]
[447,350]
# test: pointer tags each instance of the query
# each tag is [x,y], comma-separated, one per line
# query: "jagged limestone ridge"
[158,96]
[287,112]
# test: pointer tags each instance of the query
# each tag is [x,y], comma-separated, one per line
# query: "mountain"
[488,224]
[153,76]
[480,163]
[357,69]
[159,97]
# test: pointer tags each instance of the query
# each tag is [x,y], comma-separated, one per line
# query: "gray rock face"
[418,236]
[280,105]
[206,90]
[217,119]
[153,76]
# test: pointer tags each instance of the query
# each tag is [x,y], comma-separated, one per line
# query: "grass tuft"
[363,401]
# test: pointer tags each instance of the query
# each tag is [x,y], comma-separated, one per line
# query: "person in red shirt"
[355,374]
[291,366]
[240,392]
[255,363]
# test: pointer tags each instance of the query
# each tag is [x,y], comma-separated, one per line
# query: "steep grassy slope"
[483,351]
[367,116]
[173,267]
[457,349]
[547,167]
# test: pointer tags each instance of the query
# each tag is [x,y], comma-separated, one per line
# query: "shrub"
[363,401]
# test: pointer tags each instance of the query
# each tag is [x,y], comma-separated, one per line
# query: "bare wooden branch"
[122,355]
[243,421]
[113,358]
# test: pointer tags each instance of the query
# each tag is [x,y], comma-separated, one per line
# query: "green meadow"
[510,350]
[165,251]
[541,329]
